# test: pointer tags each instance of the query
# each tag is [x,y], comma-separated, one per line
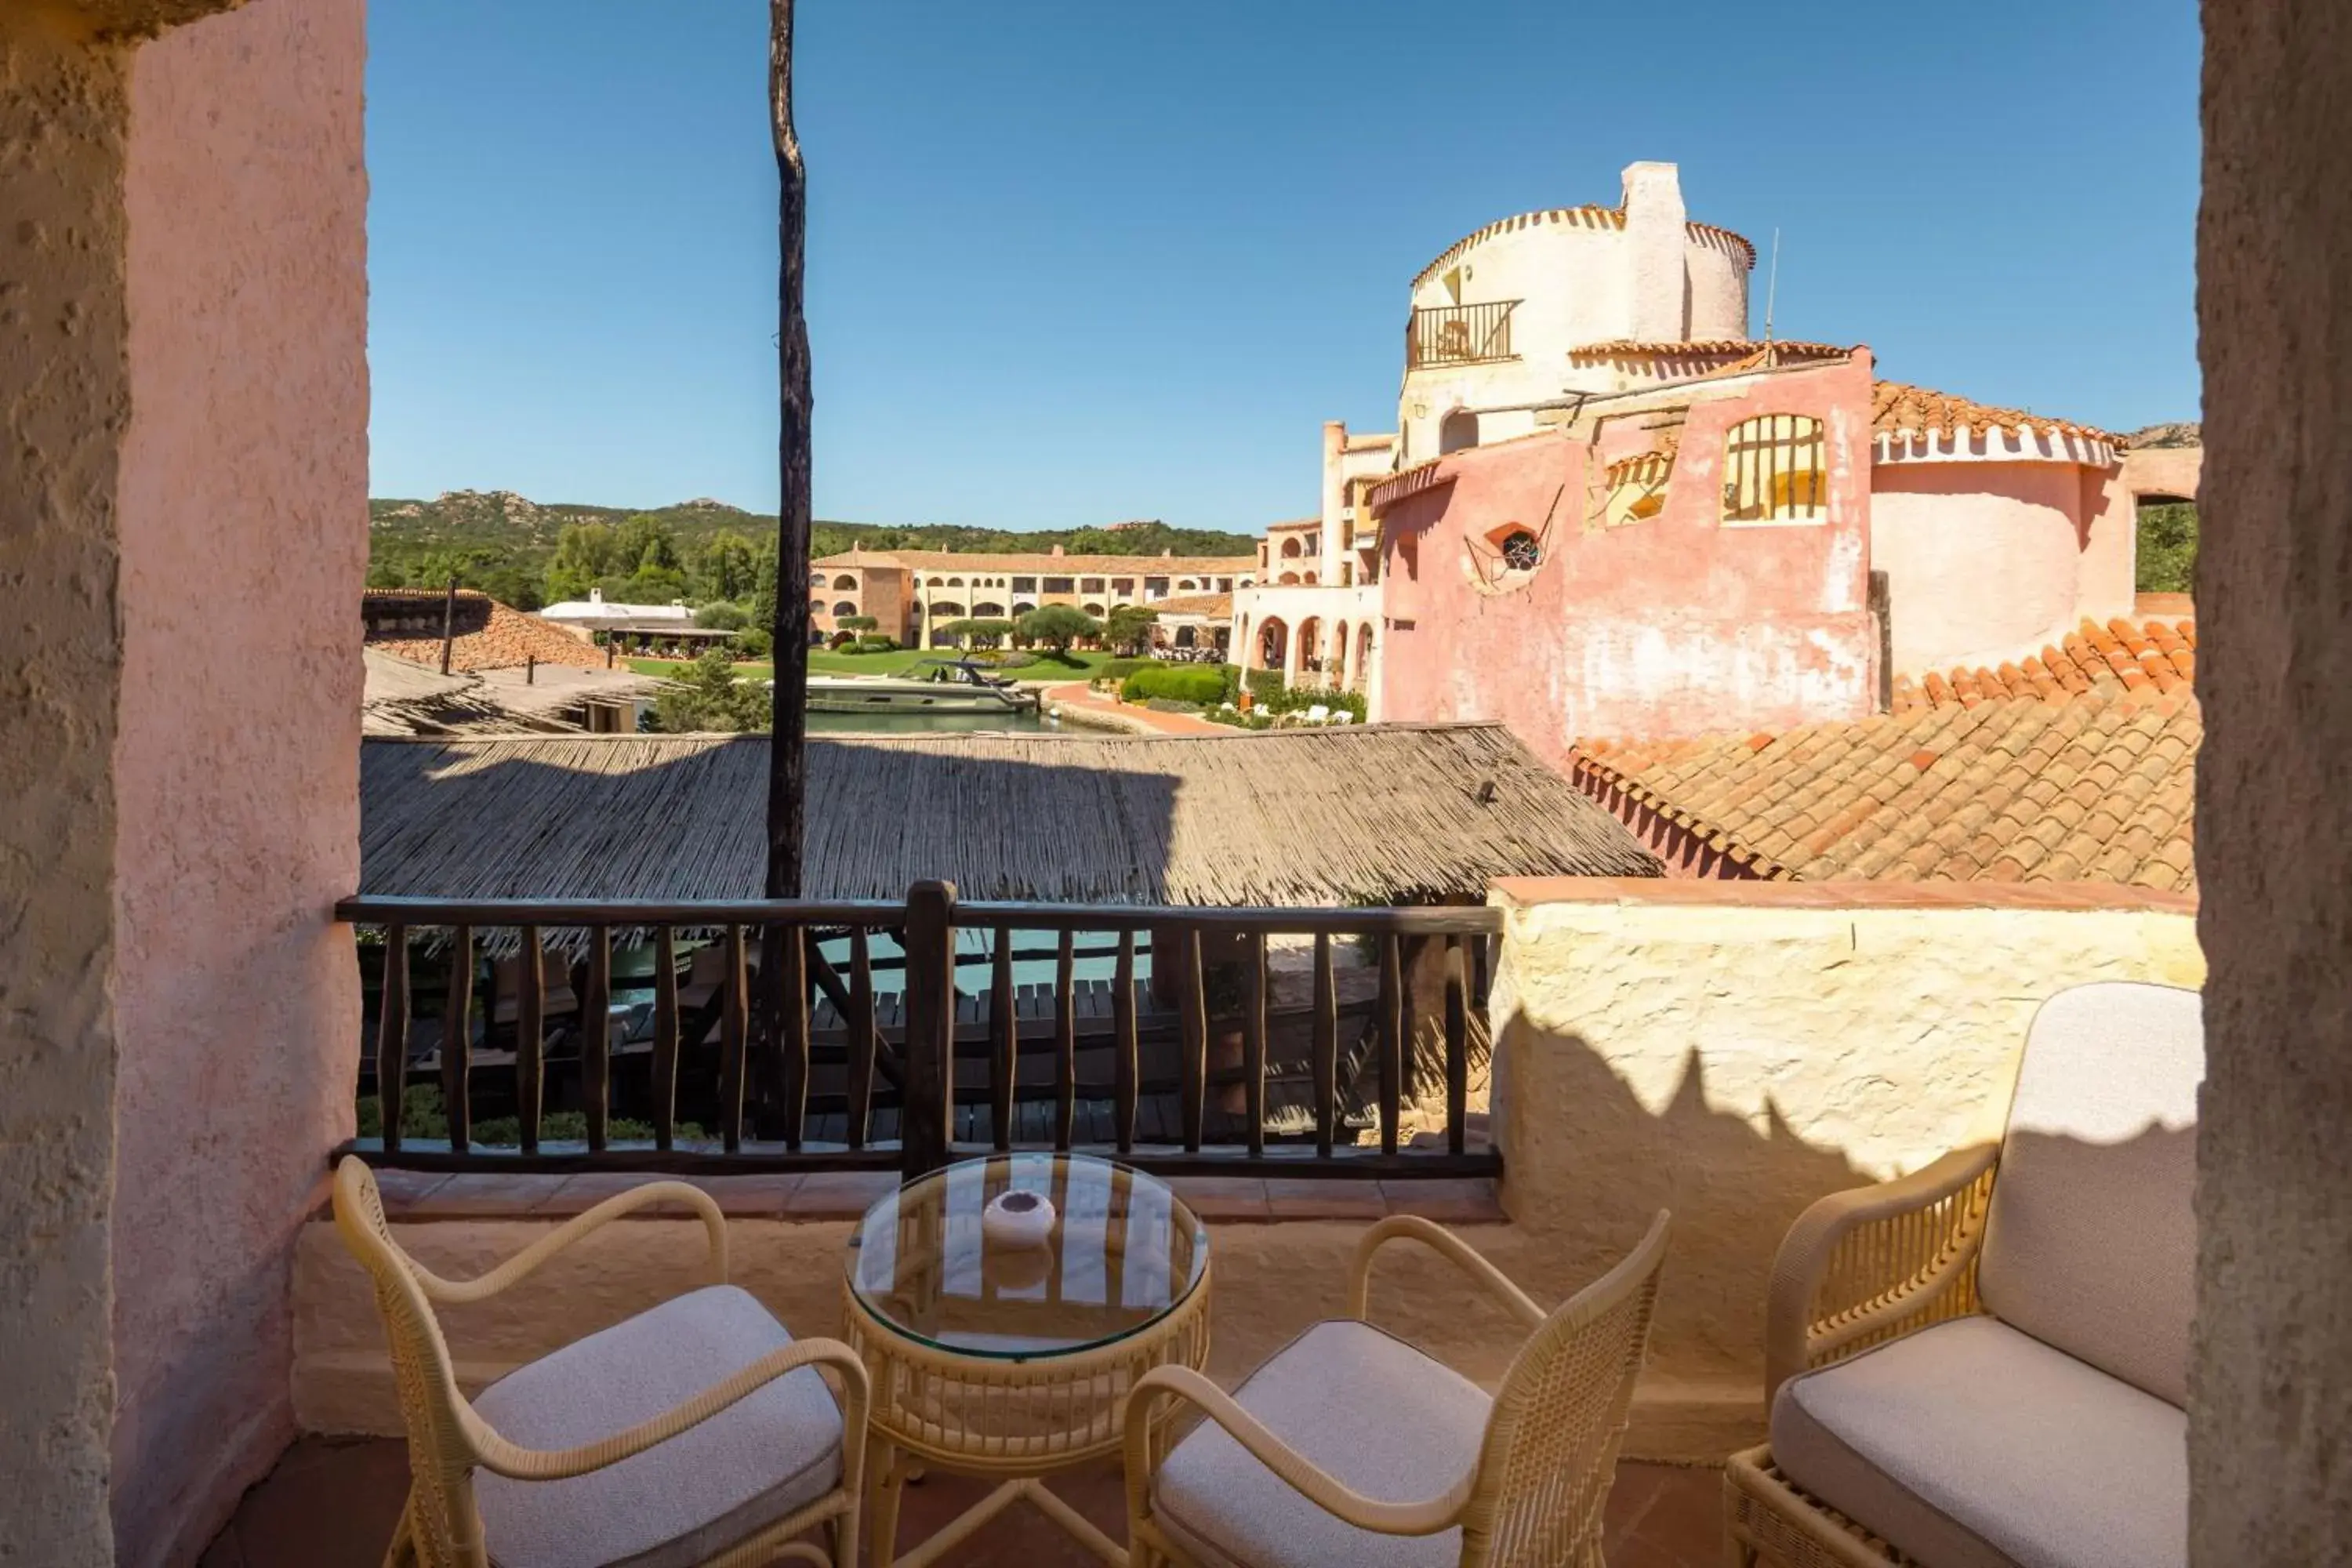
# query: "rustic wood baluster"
[861,1037]
[926,1122]
[1065,1042]
[1327,1048]
[1125,1072]
[792,997]
[1457,1046]
[530,1022]
[1003,1041]
[1254,1047]
[665,1067]
[458,1040]
[392,1037]
[1391,1022]
[1194,1016]
[733,1044]
[596,1038]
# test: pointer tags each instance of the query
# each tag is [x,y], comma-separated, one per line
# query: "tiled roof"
[1594,214]
[2147,656]
[1702,348]
[968,561]
[491,636]
[2100,788]
[1215,606]
[1897,408]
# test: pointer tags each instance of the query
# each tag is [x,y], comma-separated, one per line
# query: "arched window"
[1095,610]
[1286,579]
[1273,644]
[946,608]
[988,611]
[846,583]
[1359,674]
[845,608]
[816,580]
[1773,470]
[1458,430]
[1290,546]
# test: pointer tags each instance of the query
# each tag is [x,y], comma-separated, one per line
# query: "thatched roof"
[399,698]
[1382,815]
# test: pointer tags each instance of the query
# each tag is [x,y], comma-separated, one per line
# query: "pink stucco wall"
[243,537]
[1986,561]
[1675,625]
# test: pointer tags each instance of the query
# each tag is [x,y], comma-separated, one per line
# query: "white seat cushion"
[1376,1413]
[1971,1445]
[2092,1242]
[683,1501]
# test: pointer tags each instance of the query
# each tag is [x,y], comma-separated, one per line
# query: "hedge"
[1121,668]
[1178,682]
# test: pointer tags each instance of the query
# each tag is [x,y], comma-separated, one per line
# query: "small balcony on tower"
[1459,334]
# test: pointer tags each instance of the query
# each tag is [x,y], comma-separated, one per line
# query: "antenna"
[1771,287]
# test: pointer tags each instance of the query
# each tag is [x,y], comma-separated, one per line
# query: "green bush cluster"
[1266,688]
[1175,682]
[423,1116]
[1121,668]
[877,645]
[753,643]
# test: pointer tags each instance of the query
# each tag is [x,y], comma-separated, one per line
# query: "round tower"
[1495,318]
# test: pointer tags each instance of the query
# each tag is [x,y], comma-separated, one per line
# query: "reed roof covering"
[1388,813]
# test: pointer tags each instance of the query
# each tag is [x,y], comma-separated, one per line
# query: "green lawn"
[1081,665]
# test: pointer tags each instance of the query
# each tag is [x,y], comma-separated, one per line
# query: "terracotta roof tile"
[2012,788]
[1898,407]
[2143,656]
[1701,348]
[491,636]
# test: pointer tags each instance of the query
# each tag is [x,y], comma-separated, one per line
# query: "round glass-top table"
[1003,1307]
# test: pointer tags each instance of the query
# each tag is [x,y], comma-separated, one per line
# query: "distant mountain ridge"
[526,529]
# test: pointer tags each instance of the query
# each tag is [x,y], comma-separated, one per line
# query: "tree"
[708,697]
[2168,547]
[585,556]
[1058,625]
[788,749]
[722,615]
[1130,627]
[986,632]
[857,623]
[763,583]
[727,568]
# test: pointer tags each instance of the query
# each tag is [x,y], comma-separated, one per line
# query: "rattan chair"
[699,1431]
[1987,1361]
[1327,1456]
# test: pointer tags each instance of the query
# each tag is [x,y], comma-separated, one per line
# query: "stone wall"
[64,395]
[2270,1434]
[243,548]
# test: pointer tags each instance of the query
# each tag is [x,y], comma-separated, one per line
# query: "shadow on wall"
[1587,1161]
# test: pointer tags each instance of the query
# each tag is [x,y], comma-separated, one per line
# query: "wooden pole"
[448,624]
[787,757]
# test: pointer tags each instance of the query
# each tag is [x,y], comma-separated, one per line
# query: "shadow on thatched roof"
[1387,814]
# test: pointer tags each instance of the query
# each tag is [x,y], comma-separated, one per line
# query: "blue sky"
[1072,261]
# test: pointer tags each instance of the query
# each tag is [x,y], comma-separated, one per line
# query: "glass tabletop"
[1017,1257]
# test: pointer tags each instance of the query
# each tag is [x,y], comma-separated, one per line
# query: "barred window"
[1773,470]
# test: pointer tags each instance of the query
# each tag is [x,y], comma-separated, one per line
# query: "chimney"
[1168,553]
[1057,550]
[596,596]
[1654,237]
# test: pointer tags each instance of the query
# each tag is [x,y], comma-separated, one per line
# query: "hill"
[503,542]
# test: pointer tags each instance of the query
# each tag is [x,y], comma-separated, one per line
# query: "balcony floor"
[332,1504]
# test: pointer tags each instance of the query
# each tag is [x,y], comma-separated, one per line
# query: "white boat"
[932,686]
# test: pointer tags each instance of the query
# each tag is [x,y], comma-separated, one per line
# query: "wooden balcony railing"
[1459,334]
[765,1036]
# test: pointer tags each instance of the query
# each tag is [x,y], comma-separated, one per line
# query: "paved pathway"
[1075,698]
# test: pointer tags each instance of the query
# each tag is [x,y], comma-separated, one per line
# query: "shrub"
[753,643]
[1267,688]
[857,623]
[1121,668]
[877,645]
[1015,661]
[423,1116]
[722,615]
[1178,682]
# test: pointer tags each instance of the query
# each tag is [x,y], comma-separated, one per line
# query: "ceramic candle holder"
[1018,1219]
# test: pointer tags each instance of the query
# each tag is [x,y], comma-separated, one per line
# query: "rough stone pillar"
[1656,288]
[182,484]
[1335,501]
[64,398]
[2269,1443]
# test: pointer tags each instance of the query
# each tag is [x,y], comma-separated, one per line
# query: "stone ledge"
[1527,891]
[420,1197]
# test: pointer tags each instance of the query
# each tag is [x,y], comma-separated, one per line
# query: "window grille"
[1773,470]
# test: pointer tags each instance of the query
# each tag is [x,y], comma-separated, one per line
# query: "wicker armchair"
[699,1431]
[1985,1362]
[1311,1461]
